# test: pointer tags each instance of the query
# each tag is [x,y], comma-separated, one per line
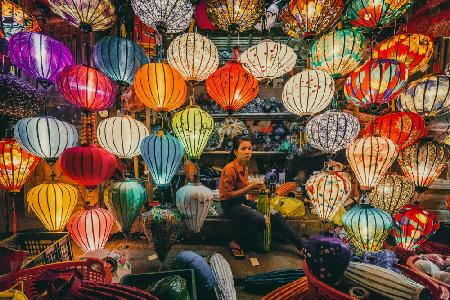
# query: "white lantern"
[268,59]
[193,55]
[121,136]
[308,92]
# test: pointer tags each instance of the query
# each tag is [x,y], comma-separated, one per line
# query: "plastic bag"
[288,207]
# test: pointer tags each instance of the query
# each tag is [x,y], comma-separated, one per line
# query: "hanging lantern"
[403,128]
[424,161]
[413,226]
[367,226]
[119,59]
[201,17]
[160,87]
[53,204]
[428,96]
[332,131]
[268,60]
[193,126]
[16,19]
[167,16]
[370,158]
[392,193]
[90,228]
[272,13]
[86,88]
[88,15]
[234,15]
[126,199]
[376,82]
[16,165]
[193,55]
[231,86]
[308,92]
[121,136]
[327,191]
[148,38]
[338,52]
[194,201]
[46,137]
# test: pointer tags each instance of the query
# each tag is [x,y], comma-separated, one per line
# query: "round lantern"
[268,60]
[403,128]
[39,55]
[160,87]
[53,204]
[232,86]
[327,191]
[370,158]
[332,131]
[45,137]
[86,88]
[413,226]
[414,50]
[376,82]
[367,226]
[428,96]
[234,15]
[201,17]
[308,92]
[424,161]
[167,16]
[163,154]
[392,193]
[126,199]
[193,55]
[16,19]
[338,52]
[194,201]
[121,136]
[90,228]
[16,165]
[88,15]
[119,59]
[193,126]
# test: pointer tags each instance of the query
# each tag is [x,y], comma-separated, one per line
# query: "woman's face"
[244,152]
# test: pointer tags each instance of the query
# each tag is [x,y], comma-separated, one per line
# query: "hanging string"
[192,97]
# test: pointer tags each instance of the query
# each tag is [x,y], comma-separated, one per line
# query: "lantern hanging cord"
[87,45]
[192,96]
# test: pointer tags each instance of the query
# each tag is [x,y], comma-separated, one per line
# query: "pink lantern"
[201,17]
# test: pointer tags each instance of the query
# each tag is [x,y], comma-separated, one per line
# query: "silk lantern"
[370,158]
[271,16]
[193,126]
[367,226]
[121,136]
[338,52]
[413,226]
[16,19]
[231,86]
[53,204]
[160,87]
[308,92]
[201,17]
[163,154]
[90,228]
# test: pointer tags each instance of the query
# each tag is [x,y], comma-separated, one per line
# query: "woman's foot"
[236,250]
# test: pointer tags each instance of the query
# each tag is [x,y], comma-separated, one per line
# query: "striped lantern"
[45,137]
[223,276]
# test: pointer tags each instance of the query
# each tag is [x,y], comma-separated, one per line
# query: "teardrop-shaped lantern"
[370,158]
[53,204]
[160,87]
[376,82]
[332,131]
[16,19]
[90,228]
[413,226]
[268,60]
[193,126]
[231,86]
[86,88]
[46,137]
[308,92]
[338,52]
[163,154]
[121,136]
[201,17]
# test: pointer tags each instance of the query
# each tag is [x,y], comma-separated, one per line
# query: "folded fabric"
[265,282]
[291,291]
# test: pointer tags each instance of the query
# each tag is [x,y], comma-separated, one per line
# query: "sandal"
[237,252]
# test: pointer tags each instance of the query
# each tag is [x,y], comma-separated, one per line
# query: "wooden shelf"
[257,116]
[254,152]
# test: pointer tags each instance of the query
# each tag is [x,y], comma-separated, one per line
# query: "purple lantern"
[39,55]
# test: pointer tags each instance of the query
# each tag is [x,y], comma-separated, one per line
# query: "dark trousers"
[250,221]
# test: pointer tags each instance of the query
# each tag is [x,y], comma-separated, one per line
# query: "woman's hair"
[237,140]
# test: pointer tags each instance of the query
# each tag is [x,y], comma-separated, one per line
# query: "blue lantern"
[163,154]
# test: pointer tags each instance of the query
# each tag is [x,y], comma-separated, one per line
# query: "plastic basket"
[42,247]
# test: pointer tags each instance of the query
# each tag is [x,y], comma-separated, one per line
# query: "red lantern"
[432,19]
[403,128]
[86,88]
[201,18]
